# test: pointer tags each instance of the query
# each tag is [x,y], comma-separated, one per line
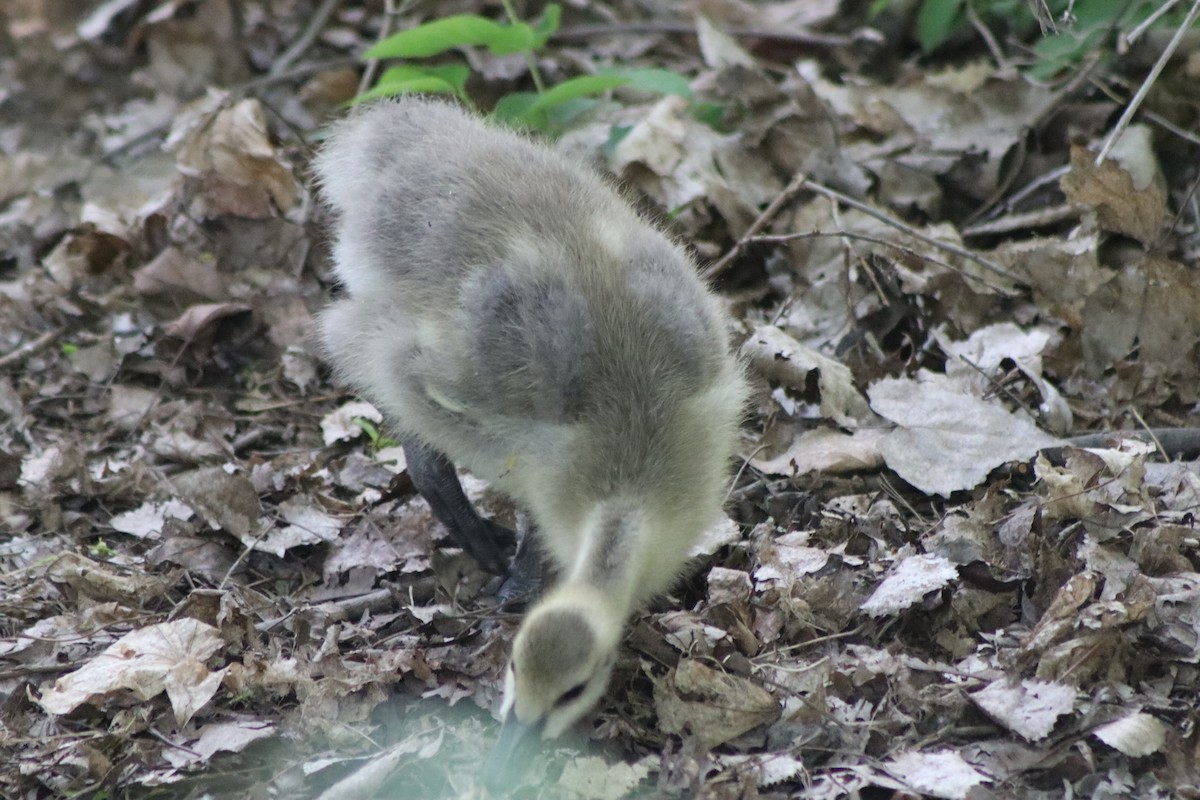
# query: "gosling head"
[562,658]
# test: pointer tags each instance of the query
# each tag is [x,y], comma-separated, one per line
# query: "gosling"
[508,311]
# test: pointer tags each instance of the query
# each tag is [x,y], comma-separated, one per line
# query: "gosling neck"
[610,554]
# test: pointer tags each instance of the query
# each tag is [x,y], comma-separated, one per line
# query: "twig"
[530,59]
[783,238]
[899,225]
[1050,177]
[1150,433]
[311,31]
[988,39]
[30,347]
[1171,442]
[1136,33]
[1144,89]
[1163,122]
[1030,219]
[783,198]
[385,30]
[793,35]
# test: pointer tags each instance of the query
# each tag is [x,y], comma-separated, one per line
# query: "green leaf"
[1056,53]
[936,21]
[659,81]
[877,7]
[368,428]
[615,136]
[443,34]
[547,25]
[514,107]
[583,86]
[529,110]
[424,85]
[409,79]
[710,114]
[454,74]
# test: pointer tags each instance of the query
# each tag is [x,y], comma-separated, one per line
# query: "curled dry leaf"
[229,143]
[781,358]
[169,656]
[1152,306]
[944,773]
[232,736]
[103,582]
[147,520]
[828,451]
[1127,189]
[227,501]
[1135,735]
[949,440]
[201,319]
[176,274]
[711,706]
[339,425]
[1030,708]
[912,579]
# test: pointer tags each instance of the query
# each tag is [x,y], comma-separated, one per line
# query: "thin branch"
[783,198]
[385,30]
[784,238]
[1149,21]
[311,31]
[899,225]
[30,347]
[530,59]
[986,34]
[793,35]
[1016,222]
[1144,89]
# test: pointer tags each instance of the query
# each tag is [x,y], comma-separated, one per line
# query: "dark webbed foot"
[434,477]
[525,578]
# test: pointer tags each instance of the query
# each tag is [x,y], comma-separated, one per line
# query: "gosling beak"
[512,753]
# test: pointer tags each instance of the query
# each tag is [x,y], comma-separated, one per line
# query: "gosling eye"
[570,695]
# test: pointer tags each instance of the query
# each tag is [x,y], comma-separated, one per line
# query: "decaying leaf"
[1136,735]
[339,425]
[169,656]
[710,706]
[943,773]
[912,579]
[781,358]
[1029,708]
[949,440]
[226,501]
[1127,189]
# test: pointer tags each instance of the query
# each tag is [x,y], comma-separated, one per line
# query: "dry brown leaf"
[909,582]
[1136,735]
[228,146]
[169,656]
[226,501]
[948,439]
[1153,306]
[1029,709]
[713,707]
[176,274]
[781,358]
[1129,198]
[103,582]
[826,451]
[942,773]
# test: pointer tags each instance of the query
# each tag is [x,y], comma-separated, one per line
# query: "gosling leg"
[526,577]
[434,477]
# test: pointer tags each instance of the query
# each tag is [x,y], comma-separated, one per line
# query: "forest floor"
[216,579]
